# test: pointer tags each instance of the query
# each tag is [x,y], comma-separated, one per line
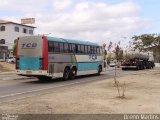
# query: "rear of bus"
[32,56]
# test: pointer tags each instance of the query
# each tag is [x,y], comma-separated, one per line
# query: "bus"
[48,57]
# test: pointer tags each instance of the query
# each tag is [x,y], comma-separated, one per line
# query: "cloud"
[33,6]
[99,22]
[61,5]
[95,21]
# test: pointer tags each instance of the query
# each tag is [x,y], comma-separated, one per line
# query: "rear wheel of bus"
[73,73]
[99,70]
[69,74]
[66,73]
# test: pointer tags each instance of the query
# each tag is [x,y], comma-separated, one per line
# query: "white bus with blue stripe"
[50,57]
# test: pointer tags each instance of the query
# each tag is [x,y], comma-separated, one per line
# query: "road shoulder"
[142,96]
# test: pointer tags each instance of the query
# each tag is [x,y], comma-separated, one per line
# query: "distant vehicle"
[138,62]
[113,64]
[11,60]
[49,57]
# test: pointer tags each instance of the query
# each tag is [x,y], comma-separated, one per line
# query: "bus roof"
[71,41]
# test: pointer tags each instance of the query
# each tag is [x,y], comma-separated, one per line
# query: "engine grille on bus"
[51,68]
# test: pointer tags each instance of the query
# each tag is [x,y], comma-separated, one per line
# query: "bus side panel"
[45,53]
[87,66]
[89,62]
[60,61]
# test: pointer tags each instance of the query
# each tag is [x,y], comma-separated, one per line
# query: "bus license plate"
[28,72]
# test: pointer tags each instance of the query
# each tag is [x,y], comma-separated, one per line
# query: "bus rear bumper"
[32,72]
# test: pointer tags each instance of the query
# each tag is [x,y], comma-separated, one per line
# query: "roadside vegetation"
[141,43]
[148,43]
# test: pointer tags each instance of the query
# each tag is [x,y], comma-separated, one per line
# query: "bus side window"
[69,48]
[56,47]
[82,49]
[94,50]
[101,50]
[86,49]
[98,50]
[61,47]
[66,48]
[50,46]
[79,48]
[74,50]
[89,50]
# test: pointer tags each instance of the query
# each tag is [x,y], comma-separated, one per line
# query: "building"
[9,32]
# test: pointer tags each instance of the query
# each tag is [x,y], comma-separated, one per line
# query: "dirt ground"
[6,67]
[142,96]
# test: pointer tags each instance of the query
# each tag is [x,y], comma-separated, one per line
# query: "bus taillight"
[17,63]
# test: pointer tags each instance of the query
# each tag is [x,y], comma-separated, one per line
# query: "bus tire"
[66,73]
[99,70]
[73,73]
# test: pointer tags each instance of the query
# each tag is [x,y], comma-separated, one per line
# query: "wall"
[10,34]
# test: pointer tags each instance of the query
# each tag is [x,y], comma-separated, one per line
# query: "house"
[9,32]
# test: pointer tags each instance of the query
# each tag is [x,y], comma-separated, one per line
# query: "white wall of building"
[10,34]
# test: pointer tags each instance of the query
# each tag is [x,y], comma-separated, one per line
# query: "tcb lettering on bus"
[29,45]
[93,56]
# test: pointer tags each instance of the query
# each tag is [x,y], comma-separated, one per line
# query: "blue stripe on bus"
[32,63]
[84,66]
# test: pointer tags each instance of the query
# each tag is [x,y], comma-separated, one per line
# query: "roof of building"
[71,41]
[10,22]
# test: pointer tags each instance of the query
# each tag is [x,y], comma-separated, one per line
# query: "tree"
[14,50]
[148,42]
[118,53]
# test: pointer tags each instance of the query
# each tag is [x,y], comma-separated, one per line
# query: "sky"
[99,21]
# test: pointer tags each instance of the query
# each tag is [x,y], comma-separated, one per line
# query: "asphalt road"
[20,88]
